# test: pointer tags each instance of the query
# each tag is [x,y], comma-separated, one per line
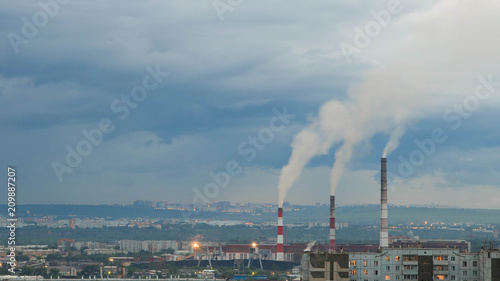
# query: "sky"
[206,100]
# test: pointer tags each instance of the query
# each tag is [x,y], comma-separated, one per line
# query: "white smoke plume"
[393,142]
[431,63]
[309,246]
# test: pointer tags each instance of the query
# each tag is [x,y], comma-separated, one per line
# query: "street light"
[254,244]
[195,245]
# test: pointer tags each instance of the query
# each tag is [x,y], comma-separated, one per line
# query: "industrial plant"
[392,259]
[414,260]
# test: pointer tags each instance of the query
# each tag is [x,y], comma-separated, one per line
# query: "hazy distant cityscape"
[66,244]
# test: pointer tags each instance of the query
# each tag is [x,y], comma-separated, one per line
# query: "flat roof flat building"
[422,264]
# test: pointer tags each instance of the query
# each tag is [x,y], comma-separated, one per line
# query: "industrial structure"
[402,259]
[384,224]
[393,258]
[280,255]
[332,223]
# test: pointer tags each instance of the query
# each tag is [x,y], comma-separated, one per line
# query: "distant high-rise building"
[143,203]
[223,205]
[72,223]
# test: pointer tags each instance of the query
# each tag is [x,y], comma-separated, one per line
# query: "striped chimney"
[332,223]
[280,253]
[384,227]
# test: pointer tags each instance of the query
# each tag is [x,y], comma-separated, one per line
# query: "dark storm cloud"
[226,78]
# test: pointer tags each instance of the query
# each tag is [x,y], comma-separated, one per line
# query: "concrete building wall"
[490,265]
[412,264]
[134,246]
[130,246]
[325,266]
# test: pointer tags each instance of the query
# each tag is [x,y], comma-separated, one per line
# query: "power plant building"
[399,259]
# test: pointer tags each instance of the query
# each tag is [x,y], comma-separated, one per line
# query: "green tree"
[53,257]
[22,258]
[172,269]
[25,270]
[131,270]
[4,270]
[90,270]
[54,272]
[41,271]
[82,250]
[143,255]
[227,273]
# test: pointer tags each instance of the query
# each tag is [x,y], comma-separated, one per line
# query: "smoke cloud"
[309,246]
[393,142]
[431,62]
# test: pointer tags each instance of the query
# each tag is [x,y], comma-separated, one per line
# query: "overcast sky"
[234,69]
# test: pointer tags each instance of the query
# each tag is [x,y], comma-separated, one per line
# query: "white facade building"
[134,246]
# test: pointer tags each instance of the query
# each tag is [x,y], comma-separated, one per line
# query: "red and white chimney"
[280,253]
[332,223]
[384,226]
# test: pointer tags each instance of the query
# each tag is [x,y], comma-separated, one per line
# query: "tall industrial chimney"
[280,253]
[332,223]
[384,227]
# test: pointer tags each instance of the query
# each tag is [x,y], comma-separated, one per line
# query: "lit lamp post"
[195,245]
[255,249]
[254,254]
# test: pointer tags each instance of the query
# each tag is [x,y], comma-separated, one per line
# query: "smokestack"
[280,253]
[384,227]
[332,223]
